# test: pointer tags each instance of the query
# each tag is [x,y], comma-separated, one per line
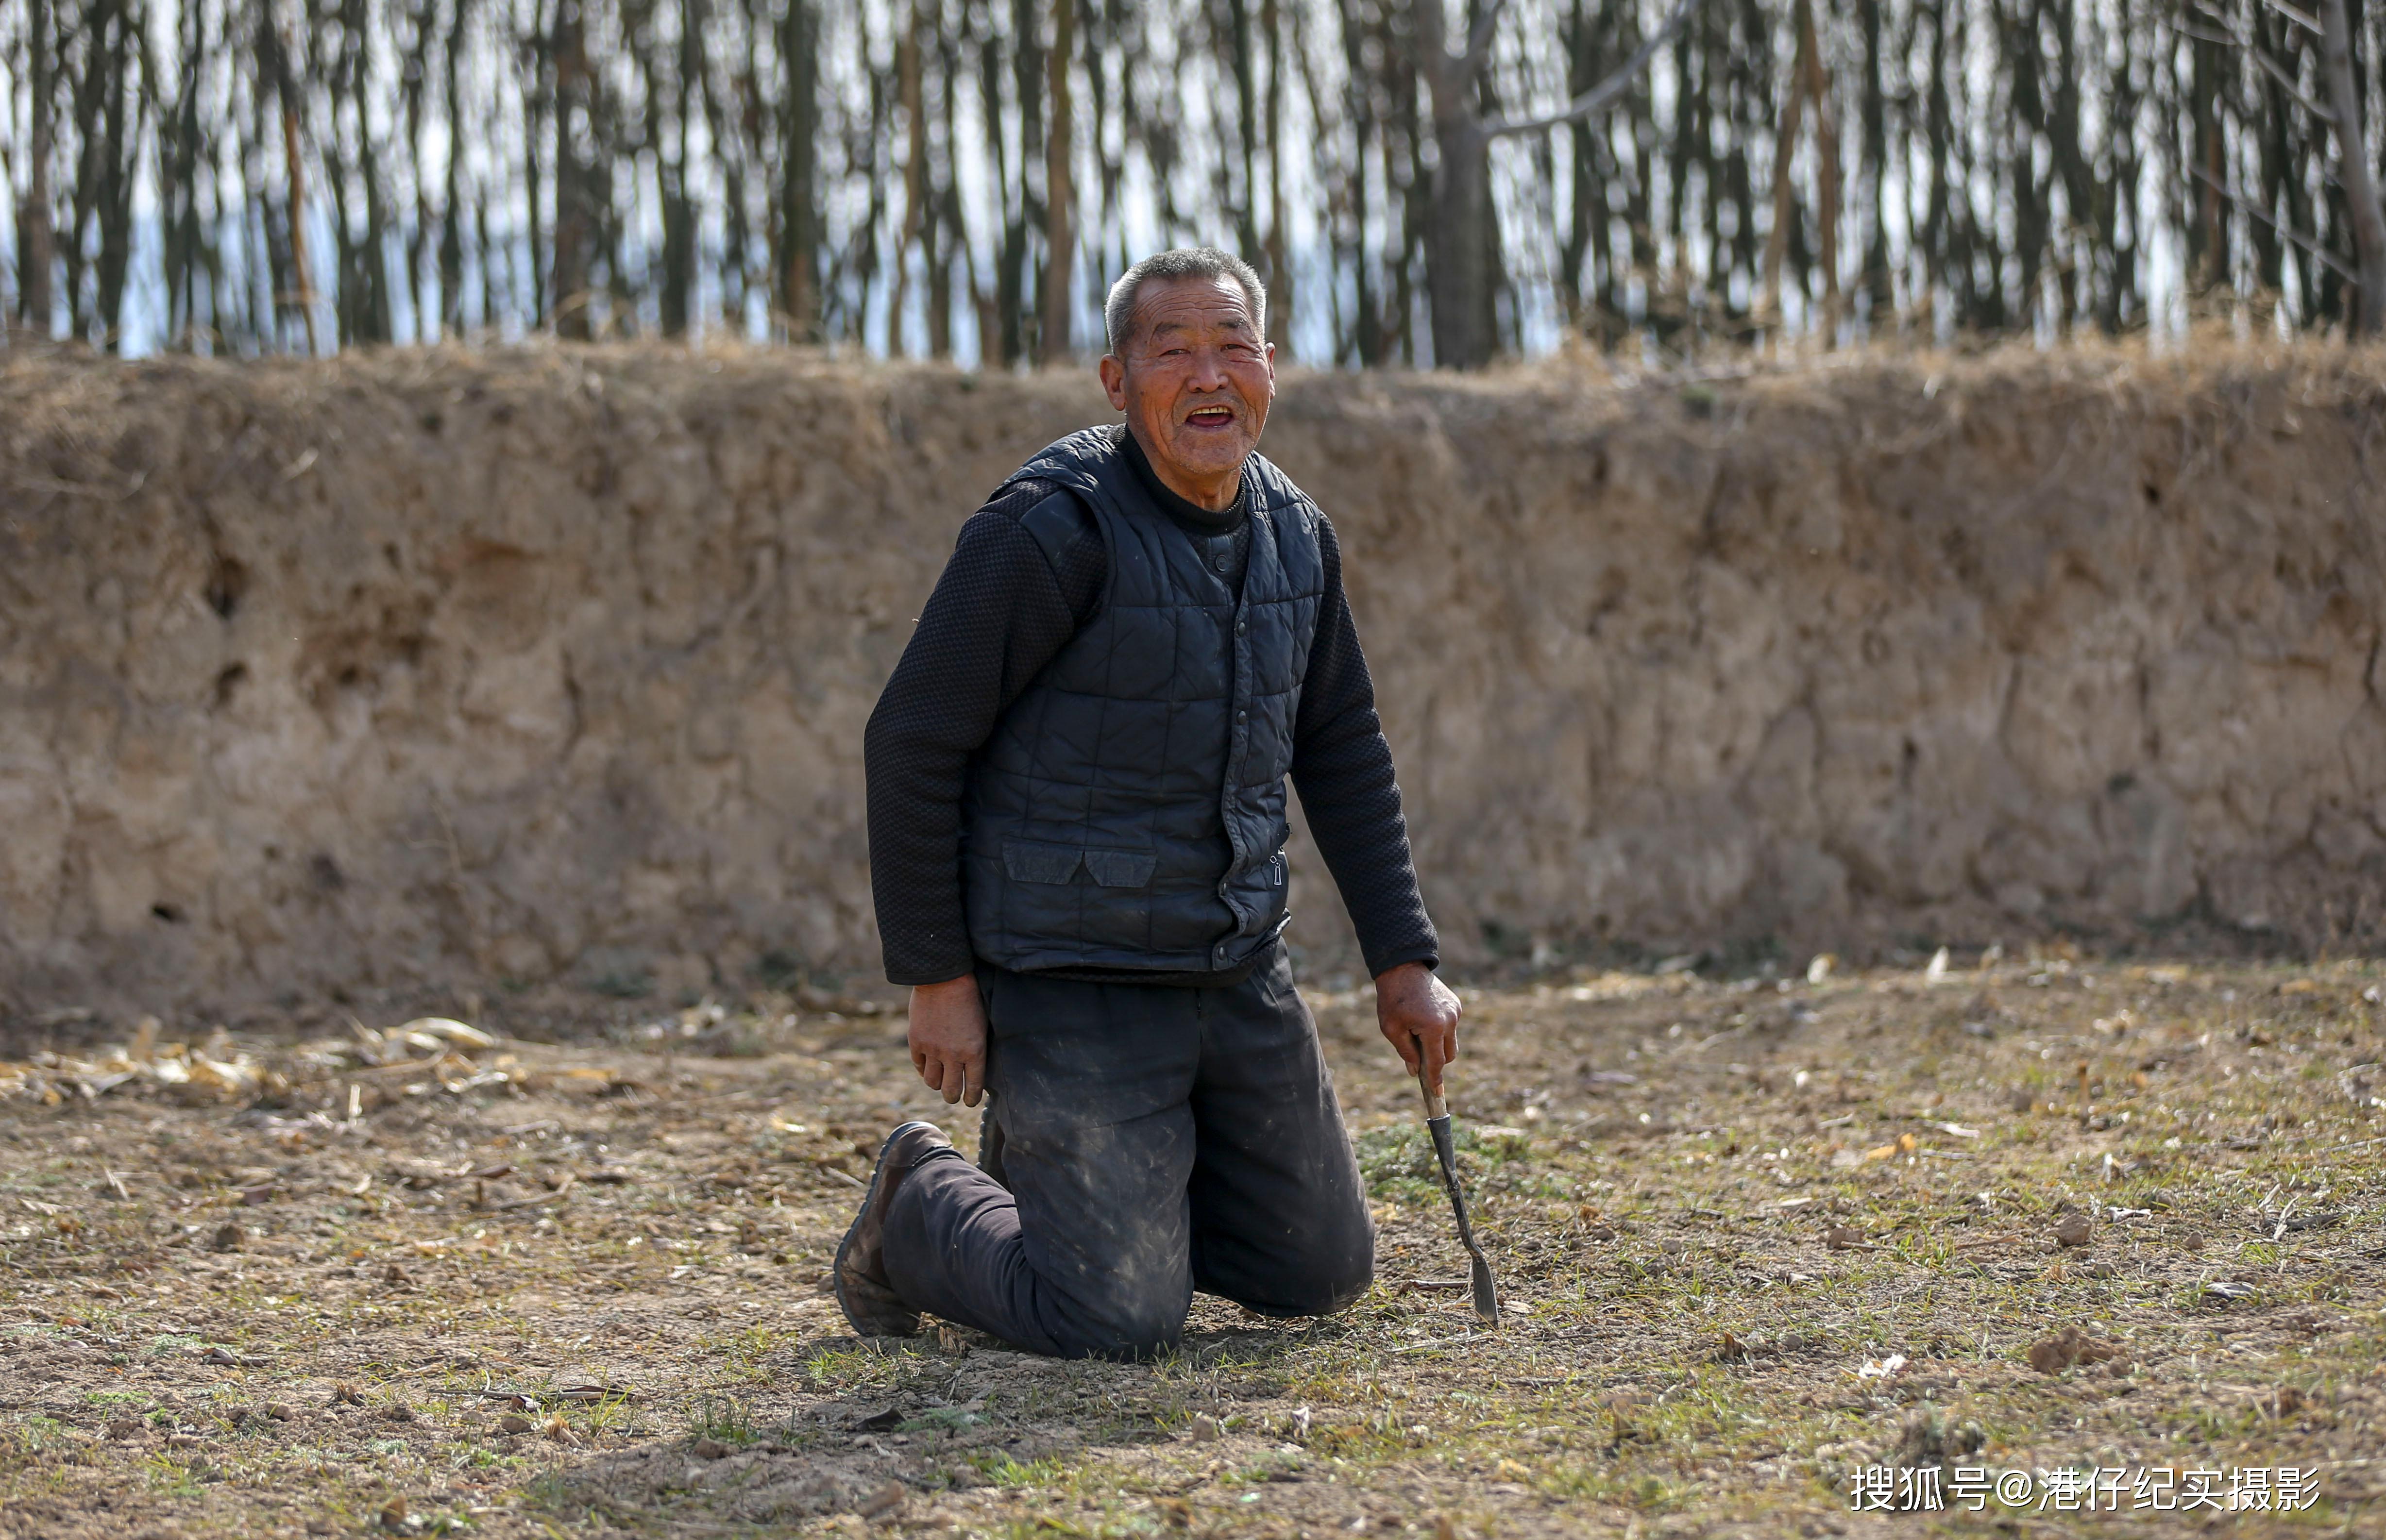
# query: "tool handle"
[1446,1156]
[1435,1107]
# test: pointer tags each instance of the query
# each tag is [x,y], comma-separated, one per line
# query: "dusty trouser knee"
[1153,1140]
[955,1247]
[1329,1279]
[1279,1212]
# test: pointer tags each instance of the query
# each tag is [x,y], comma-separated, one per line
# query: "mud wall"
[442,670]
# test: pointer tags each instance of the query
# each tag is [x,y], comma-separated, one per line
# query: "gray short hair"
[1182,262]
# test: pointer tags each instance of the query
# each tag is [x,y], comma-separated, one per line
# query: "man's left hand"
[1419,1017]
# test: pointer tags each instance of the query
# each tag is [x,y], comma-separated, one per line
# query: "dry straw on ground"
[1759,1239]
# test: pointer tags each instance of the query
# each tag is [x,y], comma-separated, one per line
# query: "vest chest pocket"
[1028,861]
[1036,861]
[1121,868]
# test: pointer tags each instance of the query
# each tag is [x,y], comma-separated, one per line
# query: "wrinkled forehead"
[1173,306]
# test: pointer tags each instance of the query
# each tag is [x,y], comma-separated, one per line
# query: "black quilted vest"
[1129,811]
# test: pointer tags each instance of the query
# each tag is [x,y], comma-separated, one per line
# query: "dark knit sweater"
[1006,605]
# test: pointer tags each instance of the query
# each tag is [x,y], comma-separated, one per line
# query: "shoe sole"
[844,1246]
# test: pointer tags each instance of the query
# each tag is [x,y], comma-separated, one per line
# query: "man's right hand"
[948,1038]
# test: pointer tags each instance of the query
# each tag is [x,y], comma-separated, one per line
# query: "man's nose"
[1208,371]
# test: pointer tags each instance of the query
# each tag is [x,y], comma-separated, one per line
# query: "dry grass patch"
[1757,1238]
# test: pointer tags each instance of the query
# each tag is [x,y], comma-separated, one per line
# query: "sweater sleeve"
[1027,572]
[1342,768]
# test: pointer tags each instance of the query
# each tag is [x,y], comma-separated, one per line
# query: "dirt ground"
[1777,1253]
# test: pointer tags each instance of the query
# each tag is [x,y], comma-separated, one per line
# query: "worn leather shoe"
[869,1300]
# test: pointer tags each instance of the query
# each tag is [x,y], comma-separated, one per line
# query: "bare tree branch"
[2326,258]
[1429,39]
[1607,92]
[1479,42]
[2277,72]
[2270,66]
[2302,19]
[2353,167]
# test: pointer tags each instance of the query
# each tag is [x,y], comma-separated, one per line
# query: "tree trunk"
[1740,88]
[347,286]
[302,267]
[1881,293]
[576,235]
[1053,337]
[995,300]
[951,238]
[2086,198]
[2032,222]
[414,79]
[1238,56]
[800,220]
[1416,196]
[1279,321]
[1366,320]
[119,149]
[451,221]
[2118,304]
[90,89]
[1785,151]
[1458,252]
[490,309]
[861,256]
[1582,59]
[36,250]
[2353,169]
[738,143]
[1827,168]
[178,130]
[910,96]
[374,311]
[537,102]
[679,206]
[1457,243]
[1020,207]
[2207,238]
[1936,237]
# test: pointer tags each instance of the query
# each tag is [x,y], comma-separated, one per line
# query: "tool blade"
[1487,1294]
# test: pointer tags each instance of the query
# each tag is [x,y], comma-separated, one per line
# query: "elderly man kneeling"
[1076,835]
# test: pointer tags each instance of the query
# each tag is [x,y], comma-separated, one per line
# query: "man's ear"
[1115,381]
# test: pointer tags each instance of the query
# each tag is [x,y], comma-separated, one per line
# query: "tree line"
[1421,182]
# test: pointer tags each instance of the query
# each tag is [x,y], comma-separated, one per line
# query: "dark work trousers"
[1154,1141]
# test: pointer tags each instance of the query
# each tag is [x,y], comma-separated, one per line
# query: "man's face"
[1196,378]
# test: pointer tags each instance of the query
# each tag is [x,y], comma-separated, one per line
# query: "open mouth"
[1210,417]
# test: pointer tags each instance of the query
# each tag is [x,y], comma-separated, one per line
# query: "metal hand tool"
[1436,1122]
